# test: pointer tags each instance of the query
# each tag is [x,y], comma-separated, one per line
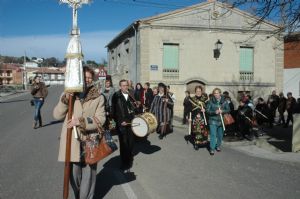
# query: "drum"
[144,124]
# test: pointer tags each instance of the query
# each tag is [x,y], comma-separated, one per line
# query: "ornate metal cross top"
[75,4]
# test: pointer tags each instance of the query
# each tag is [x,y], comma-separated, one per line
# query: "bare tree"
[286,13]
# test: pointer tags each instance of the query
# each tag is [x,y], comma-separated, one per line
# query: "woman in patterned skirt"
[198,119]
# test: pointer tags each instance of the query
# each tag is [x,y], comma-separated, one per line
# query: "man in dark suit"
[123,112]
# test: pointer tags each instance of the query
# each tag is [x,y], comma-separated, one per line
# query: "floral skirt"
[199,131]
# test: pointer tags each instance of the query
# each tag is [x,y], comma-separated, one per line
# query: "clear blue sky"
[31,17]
[41,27]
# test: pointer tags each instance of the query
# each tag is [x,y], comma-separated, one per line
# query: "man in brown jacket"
[88,105]
[39,92]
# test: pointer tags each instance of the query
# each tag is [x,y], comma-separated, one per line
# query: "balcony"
[170,73]
[246,76]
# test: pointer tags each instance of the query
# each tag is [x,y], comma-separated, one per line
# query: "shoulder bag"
[98,147]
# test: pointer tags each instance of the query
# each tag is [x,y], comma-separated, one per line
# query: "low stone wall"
[296,133]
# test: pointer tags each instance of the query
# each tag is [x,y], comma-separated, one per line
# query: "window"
[170,61]
[59,76]
[52,76]
[171,56]
[246,63]
[246,59]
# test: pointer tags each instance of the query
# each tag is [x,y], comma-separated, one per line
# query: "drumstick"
[222,119]
[133,124]
[203,114]
[190,123]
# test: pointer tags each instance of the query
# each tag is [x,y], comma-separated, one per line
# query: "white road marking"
[126,187]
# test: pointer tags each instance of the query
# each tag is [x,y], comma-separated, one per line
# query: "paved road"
[163,169]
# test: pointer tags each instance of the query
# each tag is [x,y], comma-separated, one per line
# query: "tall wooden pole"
[73,82]
[67,169]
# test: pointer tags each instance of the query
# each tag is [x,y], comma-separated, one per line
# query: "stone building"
[209,44]
[291,81]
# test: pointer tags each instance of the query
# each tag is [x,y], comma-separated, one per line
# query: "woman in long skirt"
[198,119]
[161,107]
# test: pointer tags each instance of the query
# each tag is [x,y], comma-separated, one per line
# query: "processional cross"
[73,82]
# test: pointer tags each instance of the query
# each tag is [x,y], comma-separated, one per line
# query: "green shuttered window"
[246,59]
[171,56]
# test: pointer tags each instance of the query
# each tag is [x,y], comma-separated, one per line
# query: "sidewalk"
[276,144]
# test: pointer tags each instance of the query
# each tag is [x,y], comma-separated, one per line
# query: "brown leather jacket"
[39,90]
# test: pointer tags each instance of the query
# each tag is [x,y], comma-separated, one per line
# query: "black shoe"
[160,137]
[218,149]
[196,147]
[211,153]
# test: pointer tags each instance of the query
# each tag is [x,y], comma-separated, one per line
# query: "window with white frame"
[246,63]
[170,62]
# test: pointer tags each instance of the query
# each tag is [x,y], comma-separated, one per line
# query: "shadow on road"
[53,122]
[110,176]
[281,138]
[144,146]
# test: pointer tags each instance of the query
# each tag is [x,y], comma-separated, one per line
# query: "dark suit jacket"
[122,109]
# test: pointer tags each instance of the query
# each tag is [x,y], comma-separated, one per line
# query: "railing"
[170,73]
[246,76]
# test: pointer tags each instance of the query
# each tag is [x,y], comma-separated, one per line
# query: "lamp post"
[217,50]
[73,81]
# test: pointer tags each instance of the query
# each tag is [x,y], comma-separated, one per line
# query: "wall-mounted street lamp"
[217,50]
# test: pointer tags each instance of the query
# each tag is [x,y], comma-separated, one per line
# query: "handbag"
[98,147]
[228,119]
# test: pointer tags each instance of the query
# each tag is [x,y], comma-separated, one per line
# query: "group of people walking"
[249,117]
[206,118]
[116,109]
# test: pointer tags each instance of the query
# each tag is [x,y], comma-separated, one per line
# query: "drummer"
[123,111]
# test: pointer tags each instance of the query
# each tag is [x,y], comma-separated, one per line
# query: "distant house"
[31,65]
[292,64]
[10,74]
[51,76]
[182,49]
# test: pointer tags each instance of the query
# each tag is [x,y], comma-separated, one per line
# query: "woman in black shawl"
[161,107]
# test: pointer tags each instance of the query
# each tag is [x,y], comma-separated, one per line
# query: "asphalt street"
[163,169]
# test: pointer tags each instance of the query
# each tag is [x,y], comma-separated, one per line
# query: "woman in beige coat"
[87,105]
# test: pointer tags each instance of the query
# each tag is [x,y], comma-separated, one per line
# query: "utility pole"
[24,73]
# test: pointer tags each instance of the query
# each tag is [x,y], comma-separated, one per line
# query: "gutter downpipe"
[135,35]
